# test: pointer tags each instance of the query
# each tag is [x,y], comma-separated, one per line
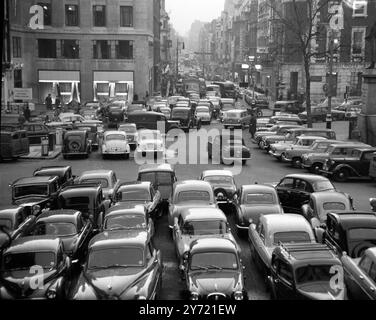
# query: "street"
[262,169]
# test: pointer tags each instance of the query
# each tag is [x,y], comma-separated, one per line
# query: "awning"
[113,76]
[58,76]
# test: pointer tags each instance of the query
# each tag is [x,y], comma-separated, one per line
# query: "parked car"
[272,229]
[209,259]
[95,132]
[190,194]
[13,144]
[186,118]
[254,201]
[236,119]
[64,174]
[19,265]
[292,106]
[76,143]
[198,223]
[70,117]
[131,131]
[132,257]
[305,272]
[140,193]
[277,129]
[203,113]
[106,178]
[35,131]
[352,232]
[115,115]
[115,143]
[356,165]
[136,107]
[360,276]
[319,114]
[152,121]
[286,118]
[150,145]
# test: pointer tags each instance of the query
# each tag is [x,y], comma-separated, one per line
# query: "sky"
[184,12]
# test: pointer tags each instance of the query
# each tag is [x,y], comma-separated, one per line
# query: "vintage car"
[186,118]
[190,194]
[76,143]
[70,117]
[86,198]
[203,113]
[228,149]
[272,229]
[152,121]
[13,223]
[321,203]
[292,134]
[198,223]
[13,144]
[291,106]
[254,201]
[31,256]
[106,178]
[136,107]
[123,217]
[64,174]
[360,275]
[279,150]
[35,193]
[115,115]
[223,184]
[314,161]
[150,145]
[352,232]
[295,190]
[213,270]
[121,265]
[277,129]
[162,177]
[286,118]
[95,132]
[115,143]
[89,113]
[305,271]
[35,131]
[140,193]
[263,124]
[132,136]
[166,111]
[355,165]
[236,118]
[70,226]
[319,113]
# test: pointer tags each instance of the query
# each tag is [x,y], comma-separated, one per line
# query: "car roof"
[211,173]
[10,212]
[286,222]
[124,209]
[329,196]
[96,173]
[156,167]
[54,169]
[201,214]
[213,244]
[59,215]
[355,219]
[306,176]
[192,183]
[258,188]
[83,188]
[34,180]
[135,184]
[34,243]
[116,238]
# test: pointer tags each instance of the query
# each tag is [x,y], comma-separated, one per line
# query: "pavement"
[36,153]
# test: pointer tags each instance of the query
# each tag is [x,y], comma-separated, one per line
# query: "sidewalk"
[36,153]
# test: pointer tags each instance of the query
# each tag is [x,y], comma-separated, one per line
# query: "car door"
[284,190]
[300,194]
[362,167]
[284,281]
[178,235]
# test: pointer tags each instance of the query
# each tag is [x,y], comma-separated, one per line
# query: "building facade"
[85,49]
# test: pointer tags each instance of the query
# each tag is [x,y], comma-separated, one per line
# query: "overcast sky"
[184,12]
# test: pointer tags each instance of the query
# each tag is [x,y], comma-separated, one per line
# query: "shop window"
[124,49]
[70,49]
[358,41]
[71,15]
[46,48]
[101,49]
[99,16]
[126,16]
[16,47]
[18,78]
[47,13]
[360,8]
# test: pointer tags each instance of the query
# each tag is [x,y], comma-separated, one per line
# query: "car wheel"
[316,167]
[74,145]
[296,162]
[341,175]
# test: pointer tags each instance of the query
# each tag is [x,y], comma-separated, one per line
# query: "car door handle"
[361,277]
[372,289]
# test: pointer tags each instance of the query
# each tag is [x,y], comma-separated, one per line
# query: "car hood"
[29,201]
[320,291]
[206,282]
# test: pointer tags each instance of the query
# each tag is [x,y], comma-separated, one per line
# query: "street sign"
[24,94]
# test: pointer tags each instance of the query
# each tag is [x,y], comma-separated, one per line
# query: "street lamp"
[332,42]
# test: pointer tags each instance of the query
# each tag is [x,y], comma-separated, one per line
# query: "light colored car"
[274,229]
[106,178]
[190,194]
[204,114]
[166,111]
[197,223]
[236,118]
[115,143]
[70,117]
[131,130]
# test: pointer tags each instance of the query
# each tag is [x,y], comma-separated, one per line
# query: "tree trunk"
[308,91]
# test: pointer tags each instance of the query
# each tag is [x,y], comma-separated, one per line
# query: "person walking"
[48,102]
[57,102]
[27,114]
[252,125]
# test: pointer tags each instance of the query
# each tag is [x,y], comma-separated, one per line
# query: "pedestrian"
[252,124]
[57,102]
[48,102]
[27,114]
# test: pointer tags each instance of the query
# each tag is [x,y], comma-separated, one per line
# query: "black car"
[35,256]
[64,174]
[186,117]
[355,165]
[304,271]
[115,115]
[76,143]
[294,190]
[152,121]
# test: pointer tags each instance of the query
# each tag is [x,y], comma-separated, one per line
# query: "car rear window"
[24,261]
[125,222]
[322,186]
[334,206]
[259,198]
[291,237]
[31,190]
[317,273]
[194,195]
[362,234]
[55,229]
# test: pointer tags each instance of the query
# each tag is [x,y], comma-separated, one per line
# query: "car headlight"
[194,296]
[238,295]
[51,294]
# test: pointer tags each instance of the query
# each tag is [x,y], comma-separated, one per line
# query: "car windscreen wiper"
[214,267]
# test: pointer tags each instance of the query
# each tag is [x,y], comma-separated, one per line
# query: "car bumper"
[276,154]
[149,152]
[114,153]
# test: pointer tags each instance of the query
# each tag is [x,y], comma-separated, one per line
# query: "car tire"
[296,162]
[341,175]
[74,145]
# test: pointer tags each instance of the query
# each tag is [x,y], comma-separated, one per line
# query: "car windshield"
[334,206]
[32,189]
[362,234]
[314,273]
[214,260]
[150,135]
[59,229]
[259,198]
[112,137]
[6,223]
[77,203]
[202,110]
[179,113]
[194,195]
[290,237]
[26,260]
[219,180]
[125,222]
[102,181]
[134,195]
[116,258]
[128,129]
[233,115]
[324,185]
[199,228]
[74,138]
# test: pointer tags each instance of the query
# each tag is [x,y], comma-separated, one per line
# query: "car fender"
[347,167]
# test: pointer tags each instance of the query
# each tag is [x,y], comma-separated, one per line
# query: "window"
[101,49]
[360,8]
[124,49]
[47,13]
[287,183]
[18,78]
[358,41]
[126,16]
[71,15]
[70,49]
[16,47]
[365,264]
[99,16]
[46,48]
[285,272]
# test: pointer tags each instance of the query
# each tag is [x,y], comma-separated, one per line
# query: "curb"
[42,158]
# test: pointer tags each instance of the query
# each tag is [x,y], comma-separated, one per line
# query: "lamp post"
[332,42]
[177,55]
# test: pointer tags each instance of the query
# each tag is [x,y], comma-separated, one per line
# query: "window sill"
[360,15]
